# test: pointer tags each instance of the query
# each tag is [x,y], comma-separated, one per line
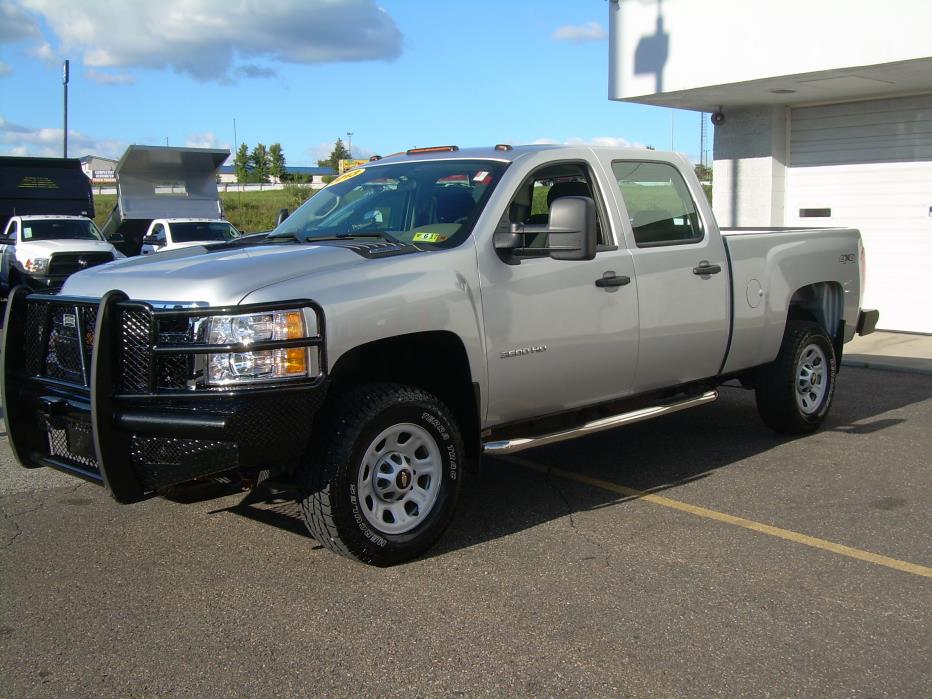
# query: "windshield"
[197,231]
[60,229]
[431,203]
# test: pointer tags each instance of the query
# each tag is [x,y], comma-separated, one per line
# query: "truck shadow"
[507,497]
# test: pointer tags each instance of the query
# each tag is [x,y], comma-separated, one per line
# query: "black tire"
[794,393]
[340,493]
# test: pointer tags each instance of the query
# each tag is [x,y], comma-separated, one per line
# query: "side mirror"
[573,219]
[7,240]
[282,215]
[118,238]
[152,240]
[571,233]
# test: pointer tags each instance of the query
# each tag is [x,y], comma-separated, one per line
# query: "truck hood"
[44,248]
[215,275]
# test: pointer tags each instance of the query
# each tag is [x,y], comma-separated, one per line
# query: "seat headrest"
[452,204]
[568,189]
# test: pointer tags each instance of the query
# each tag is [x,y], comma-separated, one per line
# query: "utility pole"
[349,149]
[702,138]
[64,82]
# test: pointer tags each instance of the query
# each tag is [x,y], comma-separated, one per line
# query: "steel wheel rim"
[811,379]
[399,478]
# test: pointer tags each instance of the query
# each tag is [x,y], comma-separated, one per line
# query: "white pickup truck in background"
[173,233]
[41,251]
[46,226]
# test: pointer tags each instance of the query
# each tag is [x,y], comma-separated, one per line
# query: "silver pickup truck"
[420,311]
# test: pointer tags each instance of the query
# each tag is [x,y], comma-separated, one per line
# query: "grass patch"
[248,211]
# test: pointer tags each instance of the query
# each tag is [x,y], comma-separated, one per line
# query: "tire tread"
[350,413]
[776,402]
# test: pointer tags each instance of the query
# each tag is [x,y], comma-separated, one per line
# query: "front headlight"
[261,365]
[37,265]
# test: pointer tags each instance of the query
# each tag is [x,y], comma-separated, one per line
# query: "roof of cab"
[502,153]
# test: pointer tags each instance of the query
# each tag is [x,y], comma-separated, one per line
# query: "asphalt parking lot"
[756,566]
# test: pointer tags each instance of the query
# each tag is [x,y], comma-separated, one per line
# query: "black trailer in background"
[53,186]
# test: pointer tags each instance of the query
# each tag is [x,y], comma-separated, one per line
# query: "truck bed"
[768,265]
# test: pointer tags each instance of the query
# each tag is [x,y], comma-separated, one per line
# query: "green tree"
[704,173]
[338,153]
[276,161]
[241,163]
[260,162]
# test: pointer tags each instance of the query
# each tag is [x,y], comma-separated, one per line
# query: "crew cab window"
[660,207]
[531,204]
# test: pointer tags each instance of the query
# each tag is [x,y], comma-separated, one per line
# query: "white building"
[827,109]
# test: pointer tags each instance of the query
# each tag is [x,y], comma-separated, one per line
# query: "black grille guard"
[61,408]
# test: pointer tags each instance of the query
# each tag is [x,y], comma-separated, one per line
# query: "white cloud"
[580,33]
[5,69]
[612,141]
[207,139]
[16,139]
[44,52]
[105,78]
[15,23]
[216,40]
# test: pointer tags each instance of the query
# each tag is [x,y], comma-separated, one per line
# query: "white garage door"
[868,165]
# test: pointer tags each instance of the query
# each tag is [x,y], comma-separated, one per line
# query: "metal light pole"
[349,149]
[64,82]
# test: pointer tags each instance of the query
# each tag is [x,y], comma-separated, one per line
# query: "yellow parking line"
[875,558]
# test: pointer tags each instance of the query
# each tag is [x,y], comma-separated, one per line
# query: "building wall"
[749,168]
[665,46]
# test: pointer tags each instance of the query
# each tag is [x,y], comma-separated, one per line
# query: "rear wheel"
[794,393]
[382,481]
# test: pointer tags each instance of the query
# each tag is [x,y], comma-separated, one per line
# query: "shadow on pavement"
[650,456]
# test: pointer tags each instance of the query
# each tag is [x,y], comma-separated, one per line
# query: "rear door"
[682,274]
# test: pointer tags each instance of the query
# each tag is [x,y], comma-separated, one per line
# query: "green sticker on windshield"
[424,237]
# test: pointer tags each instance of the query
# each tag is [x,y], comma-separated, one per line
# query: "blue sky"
[397,73]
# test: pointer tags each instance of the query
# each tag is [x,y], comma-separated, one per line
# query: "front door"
[555,340]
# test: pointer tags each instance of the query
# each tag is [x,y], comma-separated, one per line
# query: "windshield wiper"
[372,234]
[284,236]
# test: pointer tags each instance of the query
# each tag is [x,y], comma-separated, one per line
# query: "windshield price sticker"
[424,237]
[346,176]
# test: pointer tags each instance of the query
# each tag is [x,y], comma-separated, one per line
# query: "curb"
[886,366]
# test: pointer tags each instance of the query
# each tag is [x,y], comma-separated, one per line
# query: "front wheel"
[795,392]
[382,481]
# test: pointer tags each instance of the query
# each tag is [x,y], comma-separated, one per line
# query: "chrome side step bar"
[510,446]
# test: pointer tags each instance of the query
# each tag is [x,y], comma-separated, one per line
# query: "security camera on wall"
[717,118]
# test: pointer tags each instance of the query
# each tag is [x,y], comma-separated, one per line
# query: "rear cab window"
[661,209]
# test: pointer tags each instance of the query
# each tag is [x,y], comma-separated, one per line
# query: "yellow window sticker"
[425,237]
[349,174]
